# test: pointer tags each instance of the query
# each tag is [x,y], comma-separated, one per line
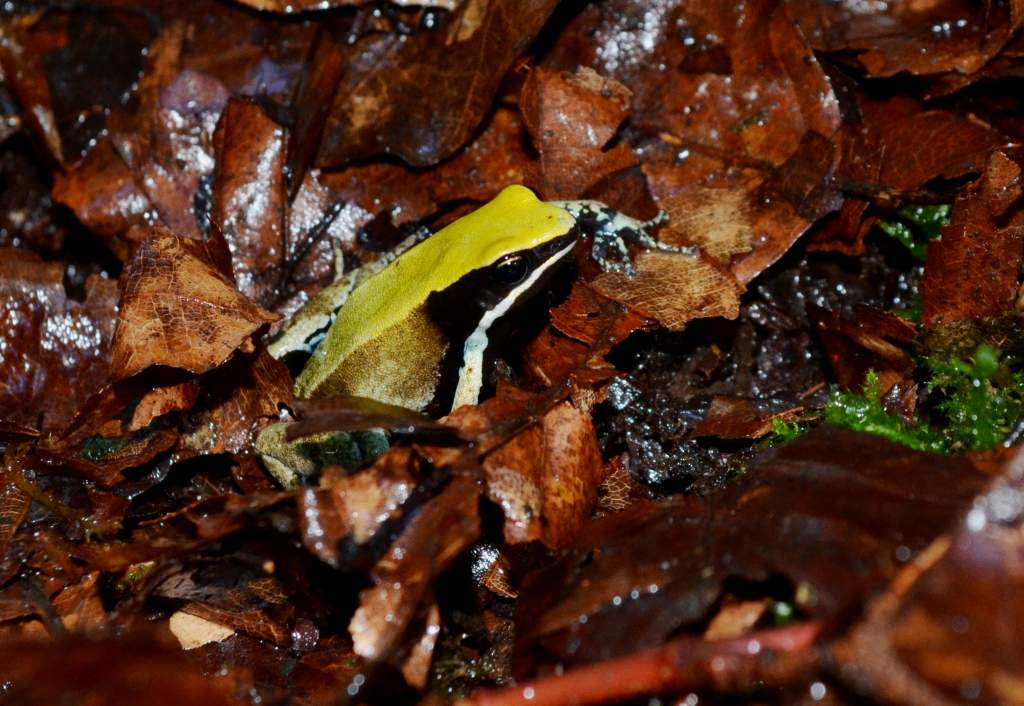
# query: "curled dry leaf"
[973,271]
[179,311]
[54,352]
[673,289]
[546,478]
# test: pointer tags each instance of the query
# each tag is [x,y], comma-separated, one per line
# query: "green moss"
[914,226]
[972,405]
[458,669]
[785,431]
[980,399]
[912,312]
[864,412]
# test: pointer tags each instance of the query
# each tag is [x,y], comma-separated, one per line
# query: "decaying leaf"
[249,197]
[54,352]
[306,5]
[421,98]
[546,478]
[942,629]
[431,541]
[973,271]
[178,310]
[673,289]
[571,118]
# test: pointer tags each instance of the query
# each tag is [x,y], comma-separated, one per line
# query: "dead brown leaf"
[546,478]
[249,197]
[444,528]
[54,352]
[571,118]
[673,289]
[422,97]
[932,37]
[289,7]
[355,506]
[899,146]
[179,311]
[973,271]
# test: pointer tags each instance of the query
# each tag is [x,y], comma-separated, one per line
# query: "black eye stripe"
[511,269]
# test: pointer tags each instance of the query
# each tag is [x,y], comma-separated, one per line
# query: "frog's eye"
[511,269]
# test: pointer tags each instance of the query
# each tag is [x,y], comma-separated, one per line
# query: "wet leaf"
[54,352]
[80,671]
[571,119]
[25,75]
[940,631]
[346,413]
[973,271]
[899,146]
[734,418]
[249,197]
[353,508]
[639,574]
[242,397]
[545,480]
[301,5]
[612,524]
[430,542]
[441,84]
[919,38]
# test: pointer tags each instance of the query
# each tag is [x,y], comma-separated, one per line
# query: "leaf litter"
[782,469]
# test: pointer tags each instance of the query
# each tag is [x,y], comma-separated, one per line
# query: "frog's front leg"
[612,230]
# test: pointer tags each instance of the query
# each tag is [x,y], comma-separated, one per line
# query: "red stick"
[770,656]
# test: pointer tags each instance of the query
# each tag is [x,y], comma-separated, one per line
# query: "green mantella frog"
[395,331]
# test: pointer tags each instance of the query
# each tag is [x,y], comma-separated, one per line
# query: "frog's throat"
[471,374]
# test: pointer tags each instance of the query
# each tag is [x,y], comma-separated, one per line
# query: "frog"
[415,329]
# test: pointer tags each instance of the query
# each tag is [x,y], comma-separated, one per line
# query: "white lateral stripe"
[471,374]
